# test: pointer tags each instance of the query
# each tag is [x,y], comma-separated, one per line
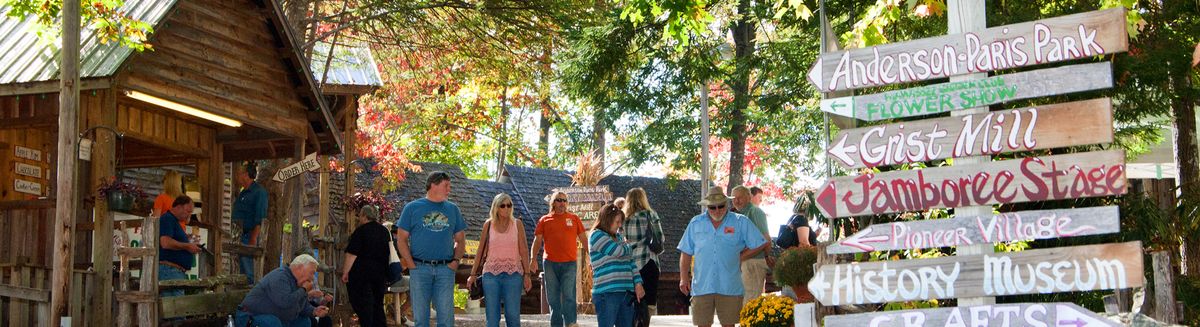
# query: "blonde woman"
[172,188]
[502,264]
[642,227]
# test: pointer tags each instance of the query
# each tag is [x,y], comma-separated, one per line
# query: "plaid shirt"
[635,235]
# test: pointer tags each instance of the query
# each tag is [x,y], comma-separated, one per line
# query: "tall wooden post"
[212,178]
[103,155]
[968,16]
[294,192]
[67,198]
[1164,288]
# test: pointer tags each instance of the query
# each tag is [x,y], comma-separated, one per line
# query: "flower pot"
[119,201]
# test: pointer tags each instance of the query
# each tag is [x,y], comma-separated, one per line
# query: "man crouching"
[281,298]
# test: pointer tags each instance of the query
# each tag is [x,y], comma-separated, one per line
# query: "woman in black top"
[365,268]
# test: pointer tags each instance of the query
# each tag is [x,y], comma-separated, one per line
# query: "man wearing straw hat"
[716,240]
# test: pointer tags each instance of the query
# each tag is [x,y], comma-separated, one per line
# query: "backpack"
[786,237]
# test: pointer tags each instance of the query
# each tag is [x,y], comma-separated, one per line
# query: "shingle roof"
[674,200]
[26,58]
[488,190]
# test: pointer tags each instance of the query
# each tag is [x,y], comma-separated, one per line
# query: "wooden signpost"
[1042,127]
[968,230]
[1063,269]
[1067,176]
[1003,47]
[946,97]
[309,163]
[1059,314]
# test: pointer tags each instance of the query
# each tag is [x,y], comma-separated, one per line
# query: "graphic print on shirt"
[435,221]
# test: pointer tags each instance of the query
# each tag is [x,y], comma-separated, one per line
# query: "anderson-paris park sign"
[1003,47]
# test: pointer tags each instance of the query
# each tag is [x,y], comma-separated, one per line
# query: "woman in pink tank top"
[502,262]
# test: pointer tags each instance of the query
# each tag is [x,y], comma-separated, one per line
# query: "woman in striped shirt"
[616,283]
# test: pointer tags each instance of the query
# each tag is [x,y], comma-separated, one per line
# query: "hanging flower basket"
[120,195]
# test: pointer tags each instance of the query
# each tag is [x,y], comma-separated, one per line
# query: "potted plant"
[794,268]
[120,195]
[768,311]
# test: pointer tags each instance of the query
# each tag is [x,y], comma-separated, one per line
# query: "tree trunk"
[598,135]
[1183,107]
[743,40]
[544,128]
[503,135]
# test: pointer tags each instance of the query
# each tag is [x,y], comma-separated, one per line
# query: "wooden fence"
[25,296]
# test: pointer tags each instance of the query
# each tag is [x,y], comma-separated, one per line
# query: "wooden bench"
[399,293]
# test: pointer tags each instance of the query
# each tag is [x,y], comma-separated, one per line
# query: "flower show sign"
[1004,47]
[946,97]
[1058,314]
[1041,127]
[1057,177]
[1062,269]
[969,230]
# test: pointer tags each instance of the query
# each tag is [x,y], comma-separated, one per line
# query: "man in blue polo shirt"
[430,239]
[175,249]
[249,210]
[716,240]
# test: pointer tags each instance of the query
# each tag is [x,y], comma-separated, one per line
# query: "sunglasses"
[560,200]
[716,207]
[506,206]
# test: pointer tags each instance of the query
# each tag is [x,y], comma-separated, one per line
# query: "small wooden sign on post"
[1058,314]
[1004,47]
[1057,177]
[969,230]
[946,97]
[1062,269]
[1041,127]
[309,163]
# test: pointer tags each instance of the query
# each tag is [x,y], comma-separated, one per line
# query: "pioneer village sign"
[1057,177]
[1062,269]
[992,228]
[1004,47]
[1059,314]
[1041,127]
[946,97]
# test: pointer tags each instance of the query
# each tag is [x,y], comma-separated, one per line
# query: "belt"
[172,264]
[434,262]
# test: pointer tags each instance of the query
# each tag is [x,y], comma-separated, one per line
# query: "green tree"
[110,21]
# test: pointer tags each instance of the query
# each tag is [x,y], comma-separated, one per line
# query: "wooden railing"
[25,295]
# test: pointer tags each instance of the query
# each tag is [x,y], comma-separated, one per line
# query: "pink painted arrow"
[827,200]
[842,152]
[859,241]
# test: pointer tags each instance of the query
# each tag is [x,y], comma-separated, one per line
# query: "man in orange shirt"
[559,231]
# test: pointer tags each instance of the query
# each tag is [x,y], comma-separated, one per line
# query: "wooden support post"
[967,16]
[66,190]
[1164,288]
[295,193]
[148,312]
[103,165]
[270,237]
[212,178]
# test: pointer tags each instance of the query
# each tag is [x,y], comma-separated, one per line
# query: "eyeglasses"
[560,200]
[716,207]
[506,206]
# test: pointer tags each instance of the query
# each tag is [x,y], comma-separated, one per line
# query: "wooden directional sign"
[969,230]
[1063,269]
[309,163]
[1057,177]
[1004,47]
[1042,127]
[939,98]
[1059,314]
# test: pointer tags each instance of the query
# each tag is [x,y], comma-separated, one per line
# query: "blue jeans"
[166,272]
[503,289]
[560,291]
[246,263]
[241,318]
[432,284]
[614,309]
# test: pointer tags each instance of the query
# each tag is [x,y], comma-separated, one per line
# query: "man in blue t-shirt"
[431,239]
[249,210]
[718,240]
[175,249]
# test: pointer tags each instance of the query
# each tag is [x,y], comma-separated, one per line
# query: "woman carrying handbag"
[503,264]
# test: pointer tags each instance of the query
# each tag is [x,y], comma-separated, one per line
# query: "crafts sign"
[1042,127]
[1063,269]
[1067,176]
[1060,314]
[970,230]
[946,97]
[1004,47]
